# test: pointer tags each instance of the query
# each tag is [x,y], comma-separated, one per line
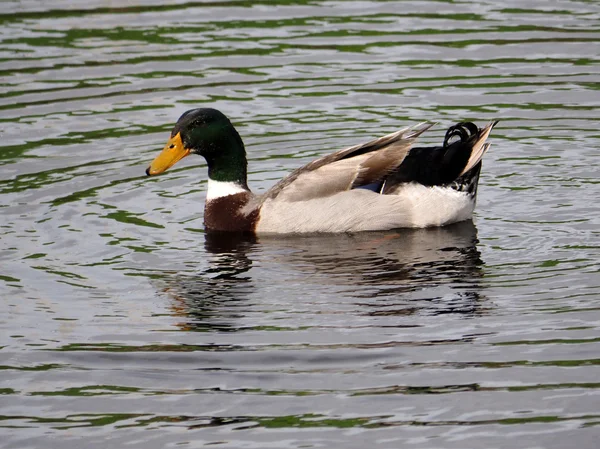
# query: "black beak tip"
[148,171]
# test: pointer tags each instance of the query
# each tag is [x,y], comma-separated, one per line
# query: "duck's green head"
[210,134]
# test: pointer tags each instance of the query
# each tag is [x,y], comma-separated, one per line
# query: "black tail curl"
[465,131]
[441,165]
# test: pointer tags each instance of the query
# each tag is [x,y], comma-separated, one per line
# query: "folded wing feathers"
[351,167]
[323,181]
[409,133]
[381,163]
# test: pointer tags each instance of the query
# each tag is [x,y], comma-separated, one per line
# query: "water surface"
[123,324]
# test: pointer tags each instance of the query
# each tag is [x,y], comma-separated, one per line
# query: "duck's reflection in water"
[215,298]
[400,272]
[395,273]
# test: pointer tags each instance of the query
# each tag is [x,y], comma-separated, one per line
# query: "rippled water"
[124,325]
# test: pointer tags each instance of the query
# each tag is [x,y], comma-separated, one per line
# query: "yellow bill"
[173,152]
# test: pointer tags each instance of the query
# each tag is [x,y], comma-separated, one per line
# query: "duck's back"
[428,186]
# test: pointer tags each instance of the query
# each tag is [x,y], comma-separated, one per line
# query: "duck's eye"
[171,146]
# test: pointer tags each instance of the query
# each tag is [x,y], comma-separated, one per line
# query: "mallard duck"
[383,184]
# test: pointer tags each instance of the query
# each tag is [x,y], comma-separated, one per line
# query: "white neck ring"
[219,189]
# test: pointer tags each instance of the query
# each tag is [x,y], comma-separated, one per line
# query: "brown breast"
[224,214]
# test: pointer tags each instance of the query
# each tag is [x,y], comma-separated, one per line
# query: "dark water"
[124,325]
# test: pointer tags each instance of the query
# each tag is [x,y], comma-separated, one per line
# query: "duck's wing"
[350,168]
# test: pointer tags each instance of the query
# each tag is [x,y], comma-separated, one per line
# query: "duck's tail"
[479,135]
